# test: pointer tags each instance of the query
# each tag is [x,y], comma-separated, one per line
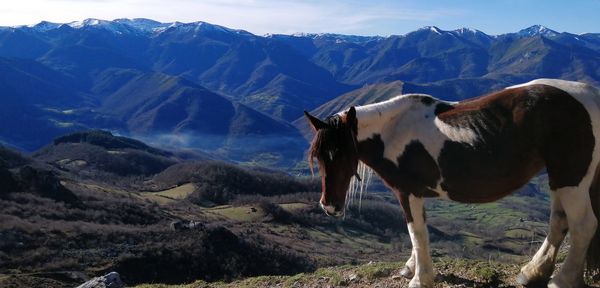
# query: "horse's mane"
[314,149]
[319,143]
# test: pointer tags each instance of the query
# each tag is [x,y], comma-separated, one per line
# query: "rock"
[110,280]
[352,277]
[180,225]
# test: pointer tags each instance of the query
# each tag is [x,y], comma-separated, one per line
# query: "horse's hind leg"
[541,266]
[582,226]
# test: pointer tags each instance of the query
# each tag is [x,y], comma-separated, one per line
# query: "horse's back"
[588,95]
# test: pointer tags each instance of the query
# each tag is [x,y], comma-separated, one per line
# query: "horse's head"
[335,147]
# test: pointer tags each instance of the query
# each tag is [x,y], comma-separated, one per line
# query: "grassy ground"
[170,195]
[450,273]
[247,213]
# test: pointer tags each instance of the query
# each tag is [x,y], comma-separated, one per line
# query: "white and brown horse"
[476,151]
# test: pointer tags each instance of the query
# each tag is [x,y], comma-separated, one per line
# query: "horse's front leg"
[408,271]
[423,269]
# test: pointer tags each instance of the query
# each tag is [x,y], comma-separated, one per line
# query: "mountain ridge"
[212,86]
[150,25]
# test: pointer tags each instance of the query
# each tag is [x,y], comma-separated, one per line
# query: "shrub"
[211,255]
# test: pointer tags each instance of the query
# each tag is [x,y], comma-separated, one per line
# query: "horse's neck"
[373,118]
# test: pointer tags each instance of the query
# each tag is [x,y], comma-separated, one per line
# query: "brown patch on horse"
[520,131]
[413,173]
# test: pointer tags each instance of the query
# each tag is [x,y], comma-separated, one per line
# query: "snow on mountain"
[337,38]
[537,30]
[200,26]
[428,29]
[434,29]
[469,31]
[45,26]
[136,25]
[145,25]
[112,26]
[473,35]
[152,27]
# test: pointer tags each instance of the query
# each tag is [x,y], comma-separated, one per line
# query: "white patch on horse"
[377,117]
[404,119]
[456,134]
[443,194]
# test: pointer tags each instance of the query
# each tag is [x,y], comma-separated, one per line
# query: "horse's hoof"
[419,284]
[407,273]
[523,280]
[531,282]
[556,282]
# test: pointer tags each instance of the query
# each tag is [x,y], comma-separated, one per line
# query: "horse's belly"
[483,191]
[478,178]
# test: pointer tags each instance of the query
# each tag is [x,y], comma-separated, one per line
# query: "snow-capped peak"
[466,30]
[112,26]
[433,29]
[337,38]
[86,22]
[44,26]
[143,24]
[304,34]
[537,30]
[199,27]
[471,34]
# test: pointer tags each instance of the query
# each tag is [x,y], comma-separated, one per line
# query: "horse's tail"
[593,254]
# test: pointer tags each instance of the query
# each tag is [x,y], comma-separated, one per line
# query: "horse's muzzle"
[332,210]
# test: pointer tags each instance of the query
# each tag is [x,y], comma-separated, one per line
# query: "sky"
[366,17]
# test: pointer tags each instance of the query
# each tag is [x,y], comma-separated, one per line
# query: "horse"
[475,151]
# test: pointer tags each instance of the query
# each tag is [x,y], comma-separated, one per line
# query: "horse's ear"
[351,115]
[315,122]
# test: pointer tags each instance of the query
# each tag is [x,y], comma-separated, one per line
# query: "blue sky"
[375,17]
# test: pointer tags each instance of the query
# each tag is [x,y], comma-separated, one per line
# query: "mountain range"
[235,94]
